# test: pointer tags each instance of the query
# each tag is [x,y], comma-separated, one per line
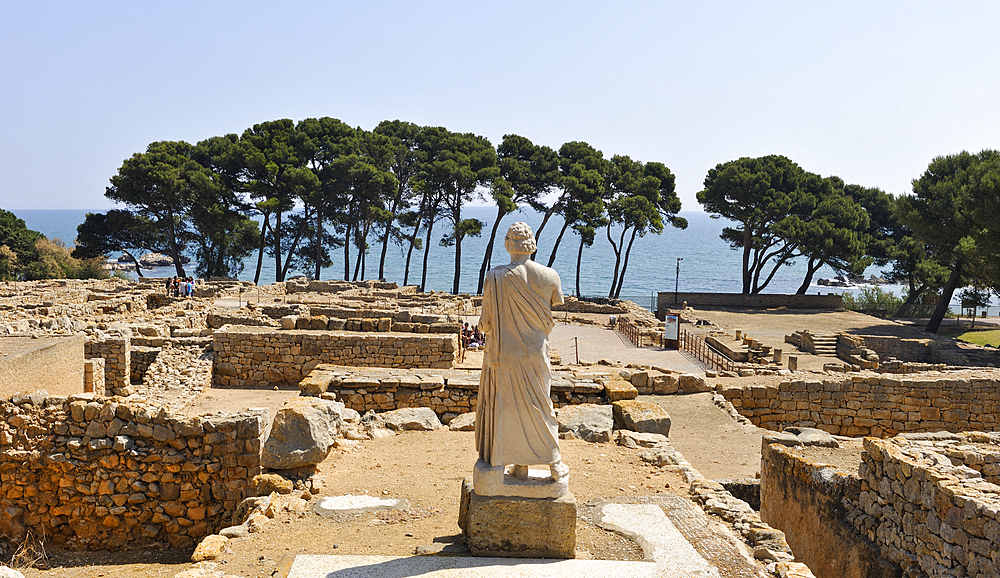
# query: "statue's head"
[519,240]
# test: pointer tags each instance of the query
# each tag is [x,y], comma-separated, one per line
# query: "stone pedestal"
[518,527]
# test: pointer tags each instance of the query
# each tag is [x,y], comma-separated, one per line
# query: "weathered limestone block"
[617,388]
[210,548]
[412,418]
[303,432]
[689,383]
[589,422]
[633,439]
[665,384]
[518,527]
[641,416]
[463,422]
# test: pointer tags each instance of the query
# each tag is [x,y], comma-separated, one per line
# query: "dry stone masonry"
[261,357]
[105,473]
[876,405]
[935,502]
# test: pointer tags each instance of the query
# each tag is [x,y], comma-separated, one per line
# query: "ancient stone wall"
[816,506]
[117,355]
[448,393]
[666,300]
[93,375]
[861,405]
[141,359]
[935,517]
[54,364]
[262,357]
[885,346]
[102,473]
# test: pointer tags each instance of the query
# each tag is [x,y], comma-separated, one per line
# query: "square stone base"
[518,527]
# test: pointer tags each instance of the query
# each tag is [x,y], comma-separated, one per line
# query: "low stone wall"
[861,405]
[935,518]
[447,392]
[93,375]
[307,286]
[594,305]
[117,355]
[142,358]
[54,364]
[103,474]
[665,301]
[263,357]
[420,323]
[816,506]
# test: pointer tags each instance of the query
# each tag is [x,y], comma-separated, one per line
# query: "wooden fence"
[630,330]
[706,353]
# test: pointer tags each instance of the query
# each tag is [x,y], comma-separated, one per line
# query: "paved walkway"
[598,343]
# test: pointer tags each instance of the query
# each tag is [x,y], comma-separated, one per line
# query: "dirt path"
[714,443]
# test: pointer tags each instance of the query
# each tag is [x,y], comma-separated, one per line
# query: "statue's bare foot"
[559,471]
[519,472]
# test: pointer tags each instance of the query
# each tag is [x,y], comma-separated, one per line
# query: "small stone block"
[618,389]
[518,527]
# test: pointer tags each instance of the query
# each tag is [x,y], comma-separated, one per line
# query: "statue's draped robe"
[515,423]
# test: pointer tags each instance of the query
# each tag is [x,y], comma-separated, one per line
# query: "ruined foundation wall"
[935,518]
[862,405]
[815,505]
[117,355]
[103,474]
[666,300]
[447,397]
[52,364]
[261,357]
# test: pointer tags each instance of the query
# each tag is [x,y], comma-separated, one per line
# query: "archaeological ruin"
[878,452]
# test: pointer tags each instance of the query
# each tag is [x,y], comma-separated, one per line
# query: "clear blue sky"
[868,91]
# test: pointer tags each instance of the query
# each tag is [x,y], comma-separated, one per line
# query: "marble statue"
[515,423]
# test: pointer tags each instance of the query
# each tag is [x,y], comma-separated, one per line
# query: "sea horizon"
[707,263]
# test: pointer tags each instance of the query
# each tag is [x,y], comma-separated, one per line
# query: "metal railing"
[705,353]
[630,330]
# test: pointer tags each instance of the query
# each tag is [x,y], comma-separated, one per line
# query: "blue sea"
[707,263]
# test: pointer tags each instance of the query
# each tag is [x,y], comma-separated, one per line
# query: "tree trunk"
[278,274]
[912,296]
[458,245]
[388,230]
[552,256]
[579,258]
[489,252]
[347,252]
[458,265]
[545,219]
[409,253]
[810,271]
[618,254]
[260,250]
[427,250]
[942,305]
[621,276]
[746,259]
[174,250]
[135,262]
[319,243]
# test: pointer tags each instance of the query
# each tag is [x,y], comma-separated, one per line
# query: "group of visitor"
[180,286]
[472,337]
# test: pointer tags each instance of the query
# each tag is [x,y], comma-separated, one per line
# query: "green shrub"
[872,300]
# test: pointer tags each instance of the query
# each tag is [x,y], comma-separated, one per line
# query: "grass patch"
[978,336]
